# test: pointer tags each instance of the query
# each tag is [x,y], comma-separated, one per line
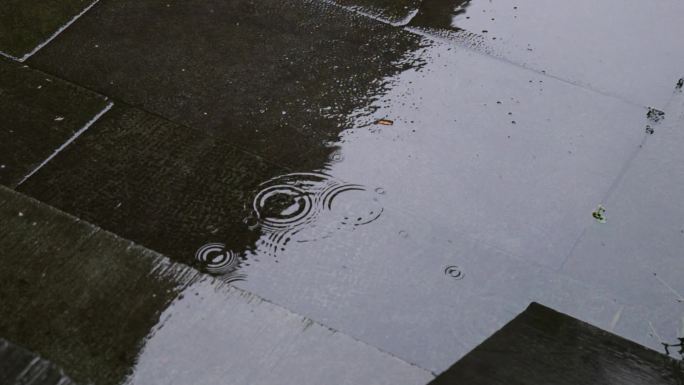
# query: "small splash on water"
[454,272]
[215,259]
[309,207]
[251,222]
[336,157]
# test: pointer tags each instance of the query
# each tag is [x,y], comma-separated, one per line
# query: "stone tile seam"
[616,182]
[64,145]
[403,26]
[92,229]
[157,256]
[120,102]
[51,37]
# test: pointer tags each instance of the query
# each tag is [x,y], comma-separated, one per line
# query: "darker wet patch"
[439,14]
[561,350]
[19,366]
[672,348]
[39,113]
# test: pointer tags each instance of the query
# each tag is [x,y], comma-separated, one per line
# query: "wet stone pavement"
[235,191]
[533,349]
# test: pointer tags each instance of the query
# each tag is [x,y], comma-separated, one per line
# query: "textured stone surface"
[168,187]
[24,24]
[39,113]
[581,42]
[256,73]
[108,311]
[541,347]
[79,297]
[19,366]
[381,180]
[482,165]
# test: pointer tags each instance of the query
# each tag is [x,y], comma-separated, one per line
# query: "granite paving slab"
[40,113]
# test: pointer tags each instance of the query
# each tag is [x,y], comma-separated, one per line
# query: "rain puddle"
[304,207]
[427,202]
[296,207]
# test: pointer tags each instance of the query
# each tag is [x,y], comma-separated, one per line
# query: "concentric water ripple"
[454,272]
[283,206]
[308,207]
[214,258]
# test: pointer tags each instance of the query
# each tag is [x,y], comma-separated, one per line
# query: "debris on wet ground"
[384,122]
[655,115]
[680,84]
[600,214]
[670,349]
[649,129]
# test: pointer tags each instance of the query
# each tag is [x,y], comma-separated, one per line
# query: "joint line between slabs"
[52,37]
[68,142]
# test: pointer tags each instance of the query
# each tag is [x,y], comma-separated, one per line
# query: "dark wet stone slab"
[542,346]
[275,78]
[39,114]
[165,186]
[106,310]
[24,24]
[75,295]
[20,366]
[582,42]
[72,289]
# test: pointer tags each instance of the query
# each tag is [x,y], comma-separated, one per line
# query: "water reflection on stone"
[297,207]
[439,14]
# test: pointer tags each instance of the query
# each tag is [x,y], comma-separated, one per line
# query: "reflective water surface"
[410,175]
